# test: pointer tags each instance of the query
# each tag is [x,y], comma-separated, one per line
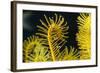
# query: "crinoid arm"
[69,54]
[84,35]
[54,30]
[34,51]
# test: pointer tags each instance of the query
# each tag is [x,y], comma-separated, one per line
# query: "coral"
[84,35]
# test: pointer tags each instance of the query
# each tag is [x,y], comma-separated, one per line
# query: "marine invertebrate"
[53,31]
[69,54]
[34,51]
[84,35]
[72,54]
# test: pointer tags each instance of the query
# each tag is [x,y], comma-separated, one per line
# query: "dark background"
[32,18]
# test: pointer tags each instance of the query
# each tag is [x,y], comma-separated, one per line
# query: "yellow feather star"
[53,30]
[84,35]
[34,51]
[73,54]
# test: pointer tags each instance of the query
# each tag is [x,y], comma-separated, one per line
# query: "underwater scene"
[50,36]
